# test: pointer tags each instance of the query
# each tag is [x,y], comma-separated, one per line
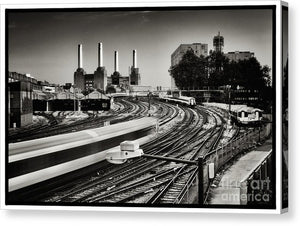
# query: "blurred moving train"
[182,100]
[34,161]
[241,114]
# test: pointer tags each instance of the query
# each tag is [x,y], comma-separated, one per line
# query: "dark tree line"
[191,72]
[216,70]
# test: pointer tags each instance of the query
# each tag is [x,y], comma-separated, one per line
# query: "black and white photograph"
[285,118]
[167,106]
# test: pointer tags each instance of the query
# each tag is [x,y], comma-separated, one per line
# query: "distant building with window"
[23,89]
[20,99]
[198,49]
[239,55]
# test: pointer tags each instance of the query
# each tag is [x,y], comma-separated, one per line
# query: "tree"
[249,74]
[216,70]
[190,72]
[216,63]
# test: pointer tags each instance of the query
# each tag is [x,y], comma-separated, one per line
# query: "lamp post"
[149,101]
[228,88]
[74,99]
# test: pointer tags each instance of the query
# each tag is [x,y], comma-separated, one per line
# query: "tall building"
[238,55]
[97,80]
[79,74]
[100,75]
[115,77]
[218,43]
[20,109]
[198,49]
[134,77]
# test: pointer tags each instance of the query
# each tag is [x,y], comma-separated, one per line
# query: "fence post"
[200,181]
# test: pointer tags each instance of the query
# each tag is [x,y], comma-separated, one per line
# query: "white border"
[278,92]
[2,105]
[150,4]
[120,3]
[284,210]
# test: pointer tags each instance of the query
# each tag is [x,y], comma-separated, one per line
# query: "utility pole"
[149,101]
[228,87]
[74,99]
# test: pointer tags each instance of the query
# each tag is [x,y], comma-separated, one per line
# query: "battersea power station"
[99,79]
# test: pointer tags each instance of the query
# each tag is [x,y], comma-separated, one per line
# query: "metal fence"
[256,186]
[222,155]
[219,157]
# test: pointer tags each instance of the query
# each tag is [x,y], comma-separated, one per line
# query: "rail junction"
[180,136]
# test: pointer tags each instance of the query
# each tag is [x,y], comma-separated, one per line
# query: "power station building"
[99,79]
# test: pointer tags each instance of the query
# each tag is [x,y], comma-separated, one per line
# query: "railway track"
[168,111]
[111,175]
[113,185]
[137,110]
[195,133]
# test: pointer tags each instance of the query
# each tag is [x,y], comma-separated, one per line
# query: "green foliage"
[216,70]
[247,73]
[216,64]
[191,72]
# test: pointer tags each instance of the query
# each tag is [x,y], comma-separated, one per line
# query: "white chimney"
[134,59]
[116,61]
[80,56]
[100,55]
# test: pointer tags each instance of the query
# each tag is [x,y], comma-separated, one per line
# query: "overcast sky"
[44,44]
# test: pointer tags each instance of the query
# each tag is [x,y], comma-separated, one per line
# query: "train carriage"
[182,100]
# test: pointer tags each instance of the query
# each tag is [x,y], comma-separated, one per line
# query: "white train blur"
[57,155]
